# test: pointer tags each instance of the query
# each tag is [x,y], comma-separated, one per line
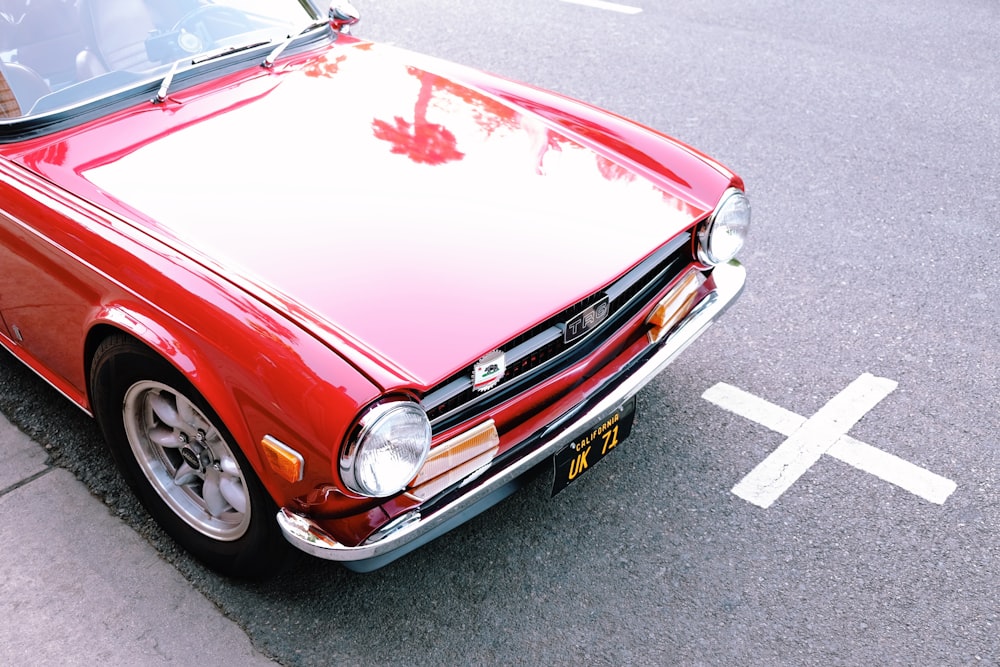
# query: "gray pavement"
[78,586]
[868,134]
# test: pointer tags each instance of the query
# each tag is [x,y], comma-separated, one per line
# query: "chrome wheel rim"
[186,460]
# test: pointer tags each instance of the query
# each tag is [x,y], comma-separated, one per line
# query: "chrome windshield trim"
[309,537]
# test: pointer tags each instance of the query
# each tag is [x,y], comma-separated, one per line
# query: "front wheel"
[180,460]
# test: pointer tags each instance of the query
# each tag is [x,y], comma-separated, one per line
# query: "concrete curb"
[78,586]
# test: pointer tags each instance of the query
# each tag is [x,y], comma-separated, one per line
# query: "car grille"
[542,351]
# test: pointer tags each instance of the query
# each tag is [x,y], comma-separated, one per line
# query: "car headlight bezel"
[723,234]
[386,449]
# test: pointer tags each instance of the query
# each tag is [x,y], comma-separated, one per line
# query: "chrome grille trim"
[629,287]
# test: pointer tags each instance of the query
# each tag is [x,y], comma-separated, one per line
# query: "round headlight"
[388,449]
[723,235]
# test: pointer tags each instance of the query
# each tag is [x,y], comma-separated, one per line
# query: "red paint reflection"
[421,141]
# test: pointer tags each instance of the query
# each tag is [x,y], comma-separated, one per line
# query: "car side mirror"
[343,15]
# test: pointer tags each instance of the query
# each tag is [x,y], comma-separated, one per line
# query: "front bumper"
[418,527]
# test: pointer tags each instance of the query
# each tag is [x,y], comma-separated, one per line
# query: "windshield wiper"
[161,94]
[273,55]
[226,50]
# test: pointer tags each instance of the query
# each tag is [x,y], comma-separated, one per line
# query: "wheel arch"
[182,353]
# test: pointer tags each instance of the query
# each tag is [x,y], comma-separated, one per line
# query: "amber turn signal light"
[675,306]
[284,461]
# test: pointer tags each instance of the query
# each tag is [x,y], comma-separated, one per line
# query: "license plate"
[592,445]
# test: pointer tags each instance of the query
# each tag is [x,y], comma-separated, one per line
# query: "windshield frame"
[118,90]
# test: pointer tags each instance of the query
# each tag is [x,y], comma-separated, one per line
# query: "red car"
[351,335]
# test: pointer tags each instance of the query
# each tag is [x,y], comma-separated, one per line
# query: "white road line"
[776,474]
[753,408]
[824,433]
[892,469]
[608,6]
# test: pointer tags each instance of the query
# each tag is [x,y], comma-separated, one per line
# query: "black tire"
[181,461]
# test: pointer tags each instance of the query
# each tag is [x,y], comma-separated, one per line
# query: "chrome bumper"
[415,529]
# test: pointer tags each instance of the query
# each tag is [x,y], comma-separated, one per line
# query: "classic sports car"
[351,335]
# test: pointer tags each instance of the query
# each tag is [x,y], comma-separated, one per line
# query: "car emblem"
[489,370]
[191,457]
[586,320]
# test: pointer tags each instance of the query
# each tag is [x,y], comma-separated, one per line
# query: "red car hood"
[424,214]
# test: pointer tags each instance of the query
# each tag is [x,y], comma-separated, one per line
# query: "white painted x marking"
[823,433]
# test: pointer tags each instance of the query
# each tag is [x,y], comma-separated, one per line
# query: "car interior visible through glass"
[58,53]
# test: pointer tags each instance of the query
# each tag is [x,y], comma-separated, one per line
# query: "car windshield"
[56,54]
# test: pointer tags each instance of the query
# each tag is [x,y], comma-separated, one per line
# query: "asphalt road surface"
[860,368]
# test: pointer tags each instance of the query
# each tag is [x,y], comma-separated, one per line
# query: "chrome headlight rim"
[355,453]
[709,233]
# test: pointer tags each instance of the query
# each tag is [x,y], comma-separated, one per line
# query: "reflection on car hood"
[412,211]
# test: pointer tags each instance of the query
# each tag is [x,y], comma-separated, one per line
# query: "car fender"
[312,422]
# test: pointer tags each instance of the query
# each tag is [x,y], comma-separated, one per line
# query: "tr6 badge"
[489,370]
[586,321]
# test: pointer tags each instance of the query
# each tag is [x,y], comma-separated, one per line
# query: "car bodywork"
[351,226]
